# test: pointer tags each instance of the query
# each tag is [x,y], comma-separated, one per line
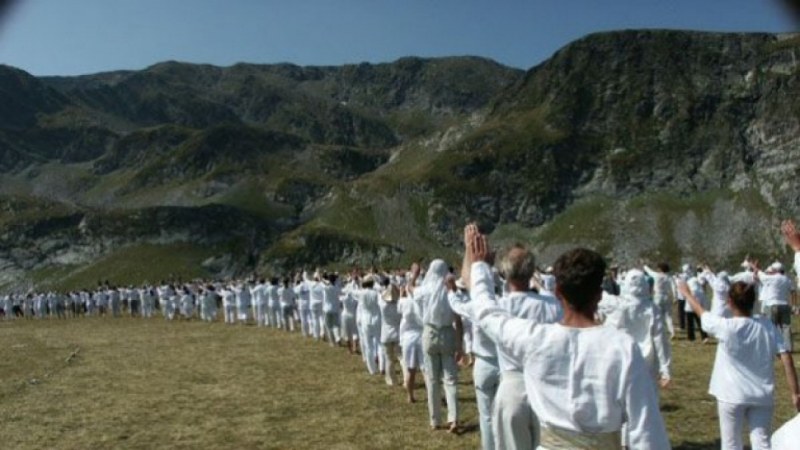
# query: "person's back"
[583,380]
[743,368]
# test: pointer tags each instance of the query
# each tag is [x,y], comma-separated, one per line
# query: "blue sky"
[67,37]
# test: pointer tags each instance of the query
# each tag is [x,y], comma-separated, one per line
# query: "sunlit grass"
[138,383]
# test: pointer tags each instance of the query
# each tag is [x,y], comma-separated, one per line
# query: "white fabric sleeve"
[460,305]
[662,346]
[646,429]
[511,333]
[713,325]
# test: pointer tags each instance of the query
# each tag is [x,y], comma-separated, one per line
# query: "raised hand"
[469,234]
[790,235]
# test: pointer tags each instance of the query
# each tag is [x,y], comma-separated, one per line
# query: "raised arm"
[511,333]
[684,290]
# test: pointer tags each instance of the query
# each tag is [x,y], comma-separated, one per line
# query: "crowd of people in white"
[571,357]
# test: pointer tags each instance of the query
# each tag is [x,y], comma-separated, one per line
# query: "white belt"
[561,439]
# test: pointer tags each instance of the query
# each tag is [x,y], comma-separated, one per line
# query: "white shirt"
[482,345]
[719,299]
[259,294]
[317,291]
[410,322]
[349,303]
[527,305]
[579,379]
[696,286]
[330,303]
[303,295]
[273,299]
[286,295]
[743,368]
[390,321]
[776,289]
[368,312]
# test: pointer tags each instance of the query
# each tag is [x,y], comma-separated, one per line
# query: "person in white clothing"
[633,313]
[485,371]
[274,303]
[743,379]
[331,309]
[243,300]
[390,330]
[696,282]
[317,300]
[368,317]
[720,284]
[228,304]
[583,380]
[663,294]
[287,303]
[775,295]
[187,303]
[440,342]
[410,340]
[348,317]
[258,294]
[303,296]
[208,305]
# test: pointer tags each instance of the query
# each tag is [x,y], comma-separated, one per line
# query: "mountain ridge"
[634,142]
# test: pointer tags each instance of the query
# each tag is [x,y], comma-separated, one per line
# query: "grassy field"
[133,383]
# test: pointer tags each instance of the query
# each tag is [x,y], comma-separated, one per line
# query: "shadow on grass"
[670,407]
[706,445]
[468,428]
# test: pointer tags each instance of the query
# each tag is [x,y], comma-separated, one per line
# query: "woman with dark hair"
[743,379]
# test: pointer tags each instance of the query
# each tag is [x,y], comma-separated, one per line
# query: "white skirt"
[412,355]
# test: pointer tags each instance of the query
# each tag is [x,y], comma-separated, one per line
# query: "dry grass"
[151,384]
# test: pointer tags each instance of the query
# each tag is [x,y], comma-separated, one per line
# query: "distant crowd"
[567,356]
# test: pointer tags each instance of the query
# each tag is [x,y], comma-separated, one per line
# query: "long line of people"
[569,357]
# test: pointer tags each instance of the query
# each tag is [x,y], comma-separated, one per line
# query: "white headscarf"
[433,290]
[636,285]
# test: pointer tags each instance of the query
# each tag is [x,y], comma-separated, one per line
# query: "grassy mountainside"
[660,144]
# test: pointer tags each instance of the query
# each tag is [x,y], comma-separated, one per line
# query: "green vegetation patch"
[140,263]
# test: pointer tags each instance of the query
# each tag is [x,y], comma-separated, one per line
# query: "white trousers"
[230,313]
[731,425]
[305,321]
[514,423]
[440,366]
[332,328]
[317,318]
[370,343]
[258,312]
[486,376]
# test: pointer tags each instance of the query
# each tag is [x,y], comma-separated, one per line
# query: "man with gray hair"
[514,424]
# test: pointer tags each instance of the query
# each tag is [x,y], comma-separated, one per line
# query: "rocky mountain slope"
[659,144]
